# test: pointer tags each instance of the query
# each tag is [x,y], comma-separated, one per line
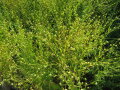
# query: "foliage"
[60,44]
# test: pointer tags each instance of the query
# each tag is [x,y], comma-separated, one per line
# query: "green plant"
[59,44]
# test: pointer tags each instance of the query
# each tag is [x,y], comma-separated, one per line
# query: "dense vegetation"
[60,44]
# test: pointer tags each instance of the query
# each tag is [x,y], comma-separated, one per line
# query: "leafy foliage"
[60,44]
